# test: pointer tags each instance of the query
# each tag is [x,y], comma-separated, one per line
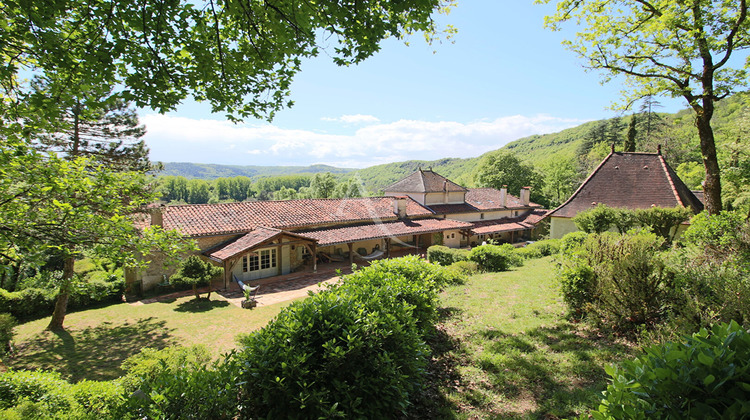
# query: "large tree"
[501,168]
[238,55]
[678,48]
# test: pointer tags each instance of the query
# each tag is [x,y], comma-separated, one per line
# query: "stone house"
[260,239]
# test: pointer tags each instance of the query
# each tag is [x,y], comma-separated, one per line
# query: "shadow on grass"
[93,353]
[552,371]
[200,305]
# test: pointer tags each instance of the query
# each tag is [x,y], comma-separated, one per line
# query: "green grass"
[96,341]
[505,349]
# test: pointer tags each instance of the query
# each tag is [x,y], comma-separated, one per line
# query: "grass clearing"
[505,349]
[96,341]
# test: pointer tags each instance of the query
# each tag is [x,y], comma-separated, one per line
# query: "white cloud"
[179,139]
[354,119]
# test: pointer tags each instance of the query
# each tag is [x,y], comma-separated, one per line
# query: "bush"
[706,376]
[7,323]
[577,285]
[149,363]
[36,387]
[494,258]
[332,355]
[28,303]
[540,249]
[445,256]
[572,241]
[195,272]
[464,268]
[630,286]
[355,350]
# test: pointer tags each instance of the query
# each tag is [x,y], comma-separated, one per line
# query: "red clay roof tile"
[368,231]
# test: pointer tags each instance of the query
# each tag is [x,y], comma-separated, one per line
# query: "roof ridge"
[580,187]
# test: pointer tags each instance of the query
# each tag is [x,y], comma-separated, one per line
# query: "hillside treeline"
[180,190]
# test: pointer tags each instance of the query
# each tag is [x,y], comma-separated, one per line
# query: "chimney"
[525,192]
[503,195]
[399,206]
[157,215]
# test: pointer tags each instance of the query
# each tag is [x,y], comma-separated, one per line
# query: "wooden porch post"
[227,274]
[388,247]
[278,258]
[315,257]
[351,252]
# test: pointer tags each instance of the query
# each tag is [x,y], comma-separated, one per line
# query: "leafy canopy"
[240,56]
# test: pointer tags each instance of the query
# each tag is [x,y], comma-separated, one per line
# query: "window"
[267,258]
[244,263]
[481,216]
[253,263]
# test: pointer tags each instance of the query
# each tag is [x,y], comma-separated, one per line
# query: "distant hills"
[209,171]
[538,150]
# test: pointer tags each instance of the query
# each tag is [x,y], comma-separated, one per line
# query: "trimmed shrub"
[47,388]
[706,376]
[149,363]
[445,256]
[28,303]
[464,268]
[7,323]
[577,285]
[494,258]
[335,354]
[355,350]
[572,241]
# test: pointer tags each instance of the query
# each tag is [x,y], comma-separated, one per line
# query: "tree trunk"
[712,184]
[61,304]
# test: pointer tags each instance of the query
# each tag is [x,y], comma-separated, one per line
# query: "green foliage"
[28,303]
[572,241]
[37,387]
[705,376]
[7,323]
[691,173]
[540,249]
[177,382]
[662,221]
[712,271]
[465,268]
[445,256]
[629,287]
[577,285]
[494,258]
[195,271]
[368,331]
[501,168]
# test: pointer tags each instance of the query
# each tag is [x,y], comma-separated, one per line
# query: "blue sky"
[504,77]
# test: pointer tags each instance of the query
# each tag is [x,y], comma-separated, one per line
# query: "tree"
[105,130]
[678,48]
[652,120]
[498,169]
[49,203]
[322,185]
[560,176]
[632,132]
[195,271]
[240,56]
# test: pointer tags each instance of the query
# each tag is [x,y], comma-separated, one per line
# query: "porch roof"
[525,222]
[363,232]
[260,235]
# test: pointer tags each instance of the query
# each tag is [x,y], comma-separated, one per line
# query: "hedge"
[445,256]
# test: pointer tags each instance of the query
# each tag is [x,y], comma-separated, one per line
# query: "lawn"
[96,341]
[505,349]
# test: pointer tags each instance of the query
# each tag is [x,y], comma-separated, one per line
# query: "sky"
[503,77]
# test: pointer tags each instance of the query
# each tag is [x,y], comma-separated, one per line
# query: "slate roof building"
[260,239]
[625,180]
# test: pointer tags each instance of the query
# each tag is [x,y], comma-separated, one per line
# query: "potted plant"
[249,293]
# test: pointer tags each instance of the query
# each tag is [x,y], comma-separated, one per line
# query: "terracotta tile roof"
[424,182]
[227,218]
[452,208]
[363,232]
[630,180]
[489,199]
[524,222]
[249,240]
